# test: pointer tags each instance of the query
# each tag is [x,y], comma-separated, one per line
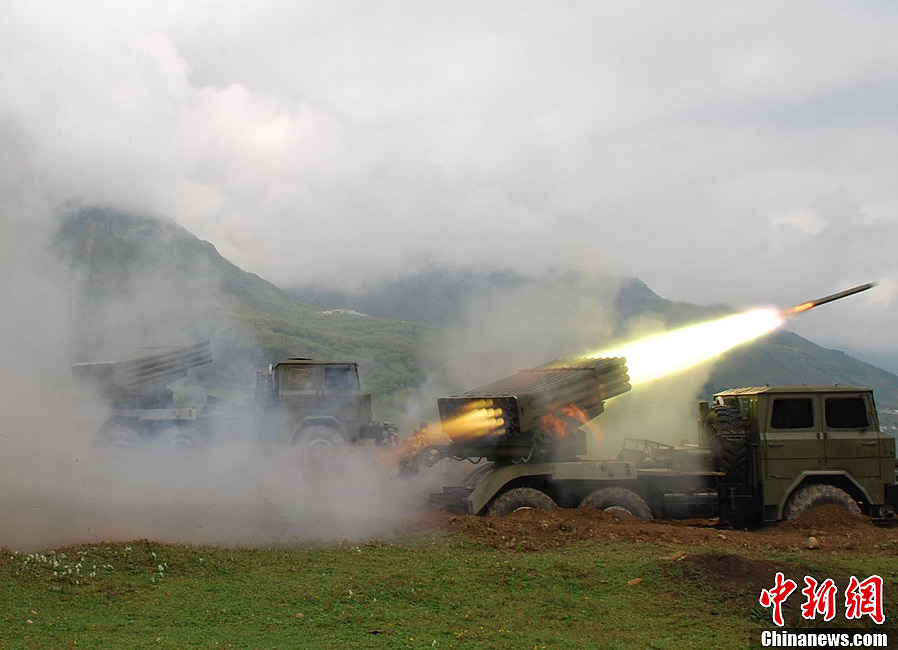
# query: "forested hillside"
[148,264]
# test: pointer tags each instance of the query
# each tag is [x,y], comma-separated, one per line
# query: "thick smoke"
[58,486]
[504,328]
[664,411]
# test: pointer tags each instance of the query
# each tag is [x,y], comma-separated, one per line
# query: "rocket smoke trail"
[669,352]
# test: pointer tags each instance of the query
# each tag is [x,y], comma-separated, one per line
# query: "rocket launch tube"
[529,394]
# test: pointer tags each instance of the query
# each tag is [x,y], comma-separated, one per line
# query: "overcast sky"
[744,153]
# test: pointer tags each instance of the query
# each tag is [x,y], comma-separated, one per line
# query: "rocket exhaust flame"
[797,309]
[478,418]
[666,353]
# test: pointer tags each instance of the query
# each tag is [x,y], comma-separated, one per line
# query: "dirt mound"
[834,528]
[831,517]
[831,527]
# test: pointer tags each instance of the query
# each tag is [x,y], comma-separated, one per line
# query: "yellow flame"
[474,422]
[662,354]
[800,308]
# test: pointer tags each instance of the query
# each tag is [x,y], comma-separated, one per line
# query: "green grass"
[433,592]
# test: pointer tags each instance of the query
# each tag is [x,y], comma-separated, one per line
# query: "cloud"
[345,140]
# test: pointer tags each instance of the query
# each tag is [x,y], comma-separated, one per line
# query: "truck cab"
[316,403]
[798,437]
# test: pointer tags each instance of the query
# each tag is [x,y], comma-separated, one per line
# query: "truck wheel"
[615,499]
[319,436]
[728,440]
[811,496]
[522,498]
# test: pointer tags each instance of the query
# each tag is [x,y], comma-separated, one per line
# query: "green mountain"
[438,296]
[144,275]
[153,269]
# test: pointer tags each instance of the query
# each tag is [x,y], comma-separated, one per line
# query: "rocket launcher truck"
[137,391]
[298,401]
[765,453]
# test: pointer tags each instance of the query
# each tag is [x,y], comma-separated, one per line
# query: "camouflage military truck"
[316,403]
[765,454]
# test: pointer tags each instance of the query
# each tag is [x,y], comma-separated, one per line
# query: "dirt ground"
[825,529]
[717,564]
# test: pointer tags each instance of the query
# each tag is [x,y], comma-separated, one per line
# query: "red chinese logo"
[864,599]
[777,596]
[819,600]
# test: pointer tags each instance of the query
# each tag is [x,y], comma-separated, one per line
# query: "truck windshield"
[340,378]
[299,378]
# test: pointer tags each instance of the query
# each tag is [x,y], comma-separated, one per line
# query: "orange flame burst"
[800,308]
[563,420]
[404,454]
[477,418]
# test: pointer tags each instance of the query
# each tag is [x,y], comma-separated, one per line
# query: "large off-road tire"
[522,498]
[617,499]
[728,440]
[811,496]
[319,436]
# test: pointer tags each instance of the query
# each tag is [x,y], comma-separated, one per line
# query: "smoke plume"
[58,486]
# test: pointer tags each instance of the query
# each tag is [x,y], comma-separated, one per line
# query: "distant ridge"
[111,248]
[784,357]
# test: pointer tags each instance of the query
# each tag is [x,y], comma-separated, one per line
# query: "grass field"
[441,587]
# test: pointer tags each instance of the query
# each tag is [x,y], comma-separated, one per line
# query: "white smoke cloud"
[673,143]
[59,485]
[474,133]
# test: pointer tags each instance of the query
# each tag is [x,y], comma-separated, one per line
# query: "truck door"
[341,393]
[852,440]
[792,441]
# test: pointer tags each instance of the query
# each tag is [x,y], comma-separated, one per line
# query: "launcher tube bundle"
[533,414]
[129,380]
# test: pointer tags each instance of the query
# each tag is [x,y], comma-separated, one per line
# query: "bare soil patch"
[832,527]
[732,576]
